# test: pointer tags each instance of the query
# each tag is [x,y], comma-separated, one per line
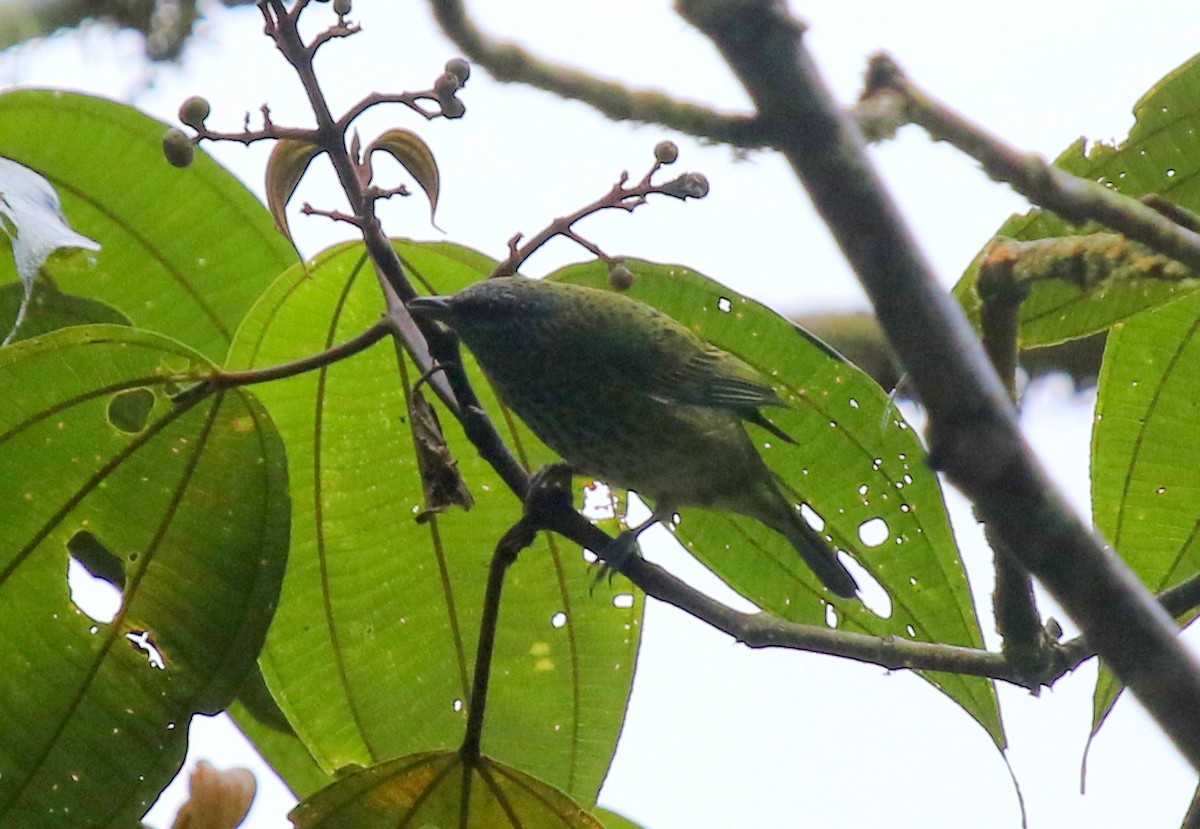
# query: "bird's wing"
[712,377]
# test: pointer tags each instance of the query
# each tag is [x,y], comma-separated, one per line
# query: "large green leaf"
[184,252]
[50,310]
[1161,155]
[258,716]
[857,464]
[183,506]
[433,789]
[371,653]
[1145,490]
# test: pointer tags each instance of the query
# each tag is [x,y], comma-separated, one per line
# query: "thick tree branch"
[974,433]
[508,62]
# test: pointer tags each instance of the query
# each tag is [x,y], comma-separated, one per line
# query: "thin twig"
[518,537]
[1075,199]
[409,99]
[1013,602]
[620,197]
[508,62]
[362,342]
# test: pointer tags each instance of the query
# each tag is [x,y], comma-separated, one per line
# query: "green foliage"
[369,655]
[303,537]
[50,309]
[373,645]
[184,252]
[1144,493]
[1159,156]
[181,506]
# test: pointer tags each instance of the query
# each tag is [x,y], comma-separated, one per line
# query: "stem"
[1013,602]
[330,356]
[518,537]
[619,197]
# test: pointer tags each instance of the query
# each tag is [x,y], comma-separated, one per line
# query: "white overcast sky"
[717,735]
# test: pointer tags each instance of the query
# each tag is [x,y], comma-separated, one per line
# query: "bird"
[627,395]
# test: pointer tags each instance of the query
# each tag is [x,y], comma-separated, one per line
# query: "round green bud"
[665,152]
[453,108]
[446,85]
[460,69]
[178,148]
[620,277]
[687,186]
[341,7]
[697,184]
[194,111]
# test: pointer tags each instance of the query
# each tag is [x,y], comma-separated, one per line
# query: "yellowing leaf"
[415,156]
[287,164]
[427,790]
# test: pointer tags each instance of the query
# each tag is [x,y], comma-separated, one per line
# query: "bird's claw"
[614,556]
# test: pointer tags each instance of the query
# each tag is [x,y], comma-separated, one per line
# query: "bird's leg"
[618,551]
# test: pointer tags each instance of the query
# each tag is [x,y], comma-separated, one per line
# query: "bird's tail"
[819,556]
[812,547]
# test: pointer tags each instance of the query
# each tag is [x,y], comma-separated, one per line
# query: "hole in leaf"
[623,600]
[95,576]
[141,640]
[98,560]
[129,410]
[457,705]
[813,518]
[870,592]
[599,502]
[724,305]
[874,532]
[559,620]
[831,616]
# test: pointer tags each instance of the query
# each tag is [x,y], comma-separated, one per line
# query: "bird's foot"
[614,556]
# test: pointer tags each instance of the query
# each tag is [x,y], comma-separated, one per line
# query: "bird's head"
[489,305]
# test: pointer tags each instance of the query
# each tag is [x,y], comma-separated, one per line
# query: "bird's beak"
[430,307]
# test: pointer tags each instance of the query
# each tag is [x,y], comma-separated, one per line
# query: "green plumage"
[627,395]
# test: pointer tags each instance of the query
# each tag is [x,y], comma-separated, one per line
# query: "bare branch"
[688,185]
[1076,200]
[508,62]
[974,433]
